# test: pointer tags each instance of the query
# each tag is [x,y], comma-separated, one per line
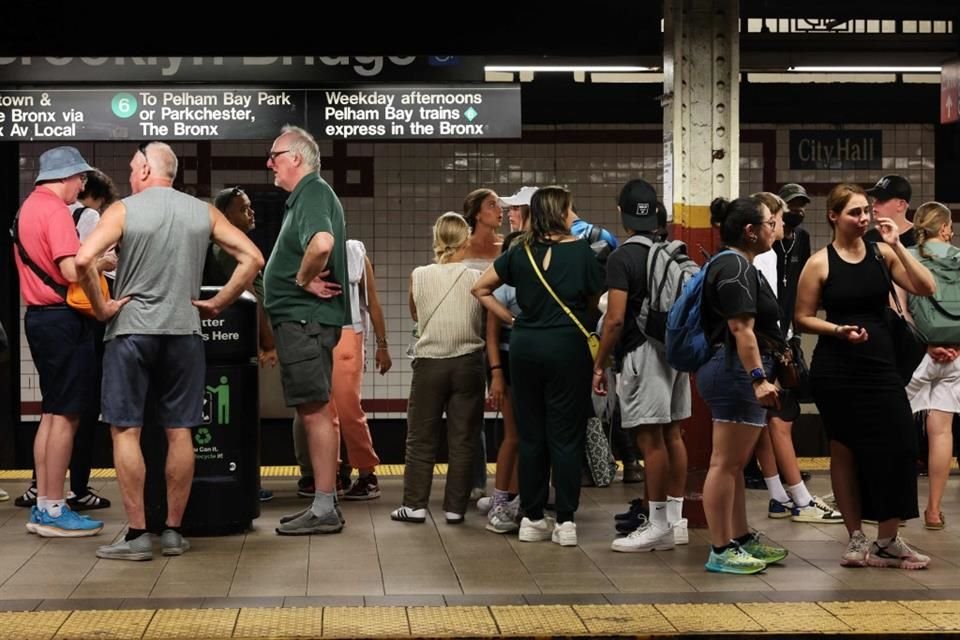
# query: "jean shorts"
[728,390]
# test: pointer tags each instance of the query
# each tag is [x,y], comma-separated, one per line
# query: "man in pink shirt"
[61,340]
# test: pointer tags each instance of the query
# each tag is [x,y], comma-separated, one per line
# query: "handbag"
[909,344]
[593,340]
[791,367]
[600,460]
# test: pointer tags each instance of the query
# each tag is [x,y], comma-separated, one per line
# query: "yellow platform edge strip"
[384,470]
[755,618]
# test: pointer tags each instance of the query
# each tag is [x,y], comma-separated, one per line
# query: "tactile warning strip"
[192,623]
[885,618]
[537,621]
[31,625]
[624,619]
[435,622]
[280,623]
[707,618]
[367,622]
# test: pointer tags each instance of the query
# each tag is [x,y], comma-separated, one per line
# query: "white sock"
[42,503]
[55,508]
[674,510]
[775,487]
[658,515]
[801,496]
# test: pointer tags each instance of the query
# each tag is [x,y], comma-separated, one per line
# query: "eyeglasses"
[142,148]
[859,211]
[771,222]
[83,179]
[273,154]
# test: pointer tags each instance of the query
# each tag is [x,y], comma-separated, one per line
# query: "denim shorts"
[171,370]
[728,390]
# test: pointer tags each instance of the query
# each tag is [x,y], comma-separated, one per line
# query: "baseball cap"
[792,191]
[520,198]
[61,162]
[638,206]
[890,187]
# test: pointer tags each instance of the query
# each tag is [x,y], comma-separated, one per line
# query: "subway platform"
[381,578]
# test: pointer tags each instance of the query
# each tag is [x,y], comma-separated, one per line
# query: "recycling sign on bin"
[219,441]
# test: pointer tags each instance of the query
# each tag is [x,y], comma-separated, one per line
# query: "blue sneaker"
[68,525]
[34,519]
[778,509]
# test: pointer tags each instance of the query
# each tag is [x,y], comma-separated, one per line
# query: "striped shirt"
[449,323]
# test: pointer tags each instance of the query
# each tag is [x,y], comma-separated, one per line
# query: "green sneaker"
[764,552]
[734,560]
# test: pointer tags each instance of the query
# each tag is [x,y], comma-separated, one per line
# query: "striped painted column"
[701,156]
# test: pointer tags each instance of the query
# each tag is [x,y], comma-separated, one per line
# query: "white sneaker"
[817,512]
[484,504]
[646,538]
[680,533]
[565,534]
[536,530]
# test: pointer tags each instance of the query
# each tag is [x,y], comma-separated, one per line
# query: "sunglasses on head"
[237,191]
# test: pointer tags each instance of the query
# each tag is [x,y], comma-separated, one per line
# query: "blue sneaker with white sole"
[68,525]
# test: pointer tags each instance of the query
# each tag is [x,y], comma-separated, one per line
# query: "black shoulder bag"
[909,344]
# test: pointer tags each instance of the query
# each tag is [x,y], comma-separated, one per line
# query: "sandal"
[933,525]
[406,514]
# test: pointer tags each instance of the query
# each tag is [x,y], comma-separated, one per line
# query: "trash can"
[224,497]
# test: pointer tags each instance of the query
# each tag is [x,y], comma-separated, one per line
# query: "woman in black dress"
[854,380]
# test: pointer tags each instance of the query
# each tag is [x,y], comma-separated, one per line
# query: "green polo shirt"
[311,208]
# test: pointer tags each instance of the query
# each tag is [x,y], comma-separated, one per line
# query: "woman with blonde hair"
[854,379]
[935,387]
[447,375]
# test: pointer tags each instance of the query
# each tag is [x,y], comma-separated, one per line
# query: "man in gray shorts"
[653,397]
[302,284]
[153,337]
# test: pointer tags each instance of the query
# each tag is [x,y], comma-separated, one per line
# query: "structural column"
[701,156]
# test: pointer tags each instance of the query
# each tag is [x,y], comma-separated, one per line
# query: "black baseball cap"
[792,191]
[638,206]
[890,187]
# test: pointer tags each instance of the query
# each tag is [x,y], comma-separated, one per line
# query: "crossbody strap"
[887,276]
[58,288]
[546,286]
[442,298]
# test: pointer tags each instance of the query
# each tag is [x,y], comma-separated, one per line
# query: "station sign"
[836,149]
[298,70]
[185,113]
[950,92]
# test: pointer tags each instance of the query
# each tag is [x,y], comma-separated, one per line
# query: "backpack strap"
[58,288]
[593,235]
[77,214]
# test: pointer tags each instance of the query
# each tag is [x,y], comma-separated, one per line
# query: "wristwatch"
[757,375]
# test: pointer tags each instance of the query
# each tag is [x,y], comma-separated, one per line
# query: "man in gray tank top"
[153,333]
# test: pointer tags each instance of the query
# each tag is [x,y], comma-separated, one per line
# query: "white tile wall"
[413,183]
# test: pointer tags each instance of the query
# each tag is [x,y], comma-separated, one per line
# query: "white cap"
[520,198]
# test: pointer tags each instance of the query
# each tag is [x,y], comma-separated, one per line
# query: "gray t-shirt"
[162,250]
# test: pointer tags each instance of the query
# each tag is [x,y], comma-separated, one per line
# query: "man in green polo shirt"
[302,288]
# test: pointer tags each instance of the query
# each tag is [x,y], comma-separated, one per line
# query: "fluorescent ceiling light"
[568,68]
[888,69]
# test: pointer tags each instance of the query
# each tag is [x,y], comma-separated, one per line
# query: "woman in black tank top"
[854,379]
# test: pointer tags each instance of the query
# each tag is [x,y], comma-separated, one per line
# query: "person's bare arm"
[315,257]
[382,356]
[483,289]
[249,262]
[107,233]
[609,336]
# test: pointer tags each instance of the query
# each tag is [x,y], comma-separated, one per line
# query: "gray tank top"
[164,244]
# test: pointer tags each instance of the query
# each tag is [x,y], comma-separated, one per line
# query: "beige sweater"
[451,327]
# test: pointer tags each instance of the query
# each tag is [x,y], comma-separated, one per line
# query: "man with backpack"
[644,277]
